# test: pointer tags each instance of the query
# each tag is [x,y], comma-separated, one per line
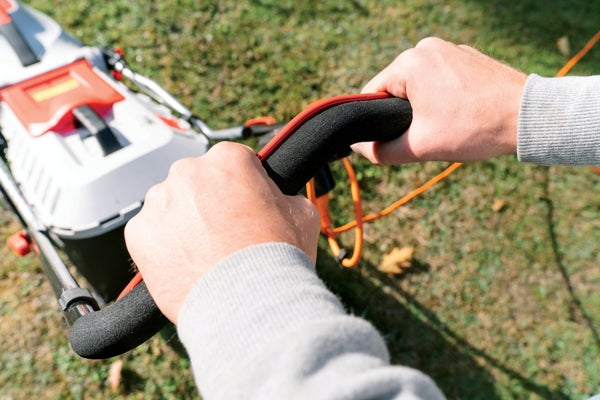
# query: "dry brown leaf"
[485,320]
[397,260]
[499,205]
[564,46]
[595,170]
[114,374]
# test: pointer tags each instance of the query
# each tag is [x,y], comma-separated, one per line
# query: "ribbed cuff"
[559,121]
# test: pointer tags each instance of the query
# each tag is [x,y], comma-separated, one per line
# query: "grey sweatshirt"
[261,325]
[559,121]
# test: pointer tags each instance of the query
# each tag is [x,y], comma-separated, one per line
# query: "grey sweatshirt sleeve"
[261,325]
[559,121]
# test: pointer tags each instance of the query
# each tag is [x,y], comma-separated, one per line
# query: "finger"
[398,151]
[391,79]
[433,45]
[235,159]
[469,49]
[364,149]
[228,150]
[431,42]
[135,234]
[395,152]
[376,84]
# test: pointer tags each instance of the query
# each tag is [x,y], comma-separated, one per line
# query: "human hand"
[208,208]
[465,105]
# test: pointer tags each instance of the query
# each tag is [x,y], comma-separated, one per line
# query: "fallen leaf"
[485,320]
[114,374]
[563,46]
[499,205]
[595,170]
[397,260]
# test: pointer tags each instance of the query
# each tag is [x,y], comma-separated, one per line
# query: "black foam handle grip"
[119,327]
[326,134]
[329,134]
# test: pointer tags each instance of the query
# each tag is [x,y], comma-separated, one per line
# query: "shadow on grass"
[576,307]
[416,337]
[540,24]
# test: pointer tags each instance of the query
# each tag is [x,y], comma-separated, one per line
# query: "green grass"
[502,305]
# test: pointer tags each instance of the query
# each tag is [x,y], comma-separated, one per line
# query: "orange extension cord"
[322,202]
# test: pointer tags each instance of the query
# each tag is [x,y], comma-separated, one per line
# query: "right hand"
[465,105]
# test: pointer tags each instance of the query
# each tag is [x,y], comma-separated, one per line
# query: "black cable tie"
[341,256]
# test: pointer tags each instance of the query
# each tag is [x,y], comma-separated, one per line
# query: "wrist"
[507,143]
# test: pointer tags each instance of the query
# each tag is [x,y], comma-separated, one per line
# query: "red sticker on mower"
[4,17]
[6,7]
[46,102]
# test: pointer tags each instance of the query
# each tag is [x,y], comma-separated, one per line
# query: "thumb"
[397,151]
[389,80]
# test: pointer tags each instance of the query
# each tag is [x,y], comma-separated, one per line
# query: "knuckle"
[309,207]
[380,161]
[429,42]
[154,194]
[132,229]
[223,147]
[232,154]
[229,148]
[382,155]
[412,60]
[182,166]
[129,228]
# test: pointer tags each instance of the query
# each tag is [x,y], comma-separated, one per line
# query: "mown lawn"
[496,305]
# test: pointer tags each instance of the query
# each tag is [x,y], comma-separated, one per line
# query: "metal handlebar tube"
[74,300]
[160,95]
[117,62]
[151,88]
[157,92]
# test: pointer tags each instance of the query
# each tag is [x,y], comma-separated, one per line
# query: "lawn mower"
[83,137]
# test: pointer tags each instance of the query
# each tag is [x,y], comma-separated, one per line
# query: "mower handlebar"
[119,327]
[324,132]
[321,133]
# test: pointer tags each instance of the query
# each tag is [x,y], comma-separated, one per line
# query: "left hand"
[208,208]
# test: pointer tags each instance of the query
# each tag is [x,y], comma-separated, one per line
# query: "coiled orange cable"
[322,203]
